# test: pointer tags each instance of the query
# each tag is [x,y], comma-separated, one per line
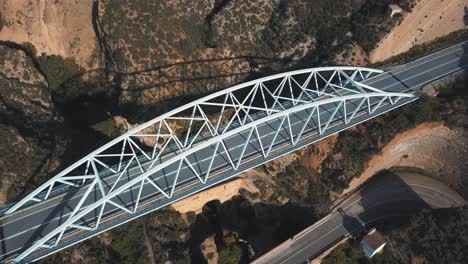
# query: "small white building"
[373,243]
[394,9]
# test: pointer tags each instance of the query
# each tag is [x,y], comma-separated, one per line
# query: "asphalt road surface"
[22,228]
[385,197]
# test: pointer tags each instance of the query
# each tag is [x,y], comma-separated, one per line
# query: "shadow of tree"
[263,225]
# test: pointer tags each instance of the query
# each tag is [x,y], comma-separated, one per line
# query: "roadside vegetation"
[128,244]
[108,128]
[372,22]
[313,192]
[450,107]
[437,236]
[63,76]
[166,232]
[331,24]
[431,236]
[231,251]
[350,252]
[85,99]
[413,170]
[140,37]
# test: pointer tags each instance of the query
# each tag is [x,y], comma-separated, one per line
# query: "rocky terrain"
[28,115]
[252,222]
[74,74]
[140,59]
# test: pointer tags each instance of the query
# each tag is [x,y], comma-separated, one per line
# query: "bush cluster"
[63,75]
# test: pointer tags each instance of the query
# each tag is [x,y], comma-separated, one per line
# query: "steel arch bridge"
[205,142]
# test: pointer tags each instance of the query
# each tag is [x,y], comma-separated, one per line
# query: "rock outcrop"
[30,126]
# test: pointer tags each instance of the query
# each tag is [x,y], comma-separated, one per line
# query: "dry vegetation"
[140,58]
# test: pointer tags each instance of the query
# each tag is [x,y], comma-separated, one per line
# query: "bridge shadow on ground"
[388,200]
[263,225]
[393,198]
[387,197]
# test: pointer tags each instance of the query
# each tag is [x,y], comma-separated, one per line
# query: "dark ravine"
[184,237]
[263,225]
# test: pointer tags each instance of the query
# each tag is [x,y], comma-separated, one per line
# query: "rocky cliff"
[30,126]
[141,58]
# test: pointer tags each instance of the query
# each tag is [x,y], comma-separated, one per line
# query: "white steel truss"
[194,143]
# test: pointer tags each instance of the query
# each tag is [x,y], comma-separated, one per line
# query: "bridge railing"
[209,127]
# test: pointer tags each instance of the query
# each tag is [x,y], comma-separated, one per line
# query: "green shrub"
[30,50]
[63,75]
[108,128]
[229,239]
[129,243]
[438,236]
[230,255]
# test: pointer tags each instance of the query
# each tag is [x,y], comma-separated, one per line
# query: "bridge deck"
[25,226]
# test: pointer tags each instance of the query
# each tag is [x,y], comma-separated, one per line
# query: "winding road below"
[385,196]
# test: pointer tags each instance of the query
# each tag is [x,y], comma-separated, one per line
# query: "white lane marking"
[206,159]
[413,65]
[163,176]
[382,88]
[193,183]
[364,209]
[180,198]
[130,190]
[115,175]
[439,53]
[158,178]
[147,202]
[357,198]
[414,76]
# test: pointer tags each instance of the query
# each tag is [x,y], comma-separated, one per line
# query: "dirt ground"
[428,20]
[54,27]
[432,147]
[231,188]
[222,192]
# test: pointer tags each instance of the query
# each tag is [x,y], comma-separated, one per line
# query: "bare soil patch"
[54,27]
[430,19]
[432,147]
[221,192]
